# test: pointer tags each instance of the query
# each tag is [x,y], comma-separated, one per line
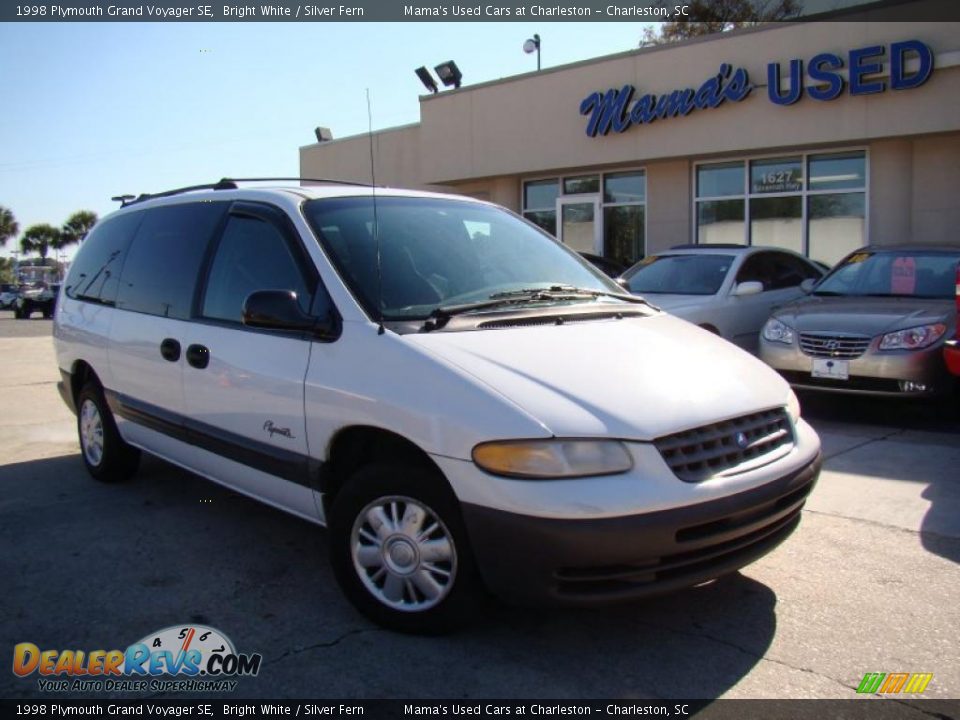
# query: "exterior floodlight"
[533,45]
[427,79]
[449,73]
[323,134]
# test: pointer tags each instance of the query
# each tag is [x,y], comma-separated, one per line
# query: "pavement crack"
[322,645]
[886,526]
[869,441]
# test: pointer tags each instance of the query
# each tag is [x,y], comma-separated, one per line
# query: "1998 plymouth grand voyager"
[486,411]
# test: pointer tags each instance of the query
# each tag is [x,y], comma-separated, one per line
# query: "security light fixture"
[533,45]
[427,79]
[323,134]
[449,73]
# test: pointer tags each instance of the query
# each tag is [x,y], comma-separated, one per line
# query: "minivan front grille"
[833,346]
[704,452]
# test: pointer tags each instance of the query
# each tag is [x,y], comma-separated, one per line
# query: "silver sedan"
[727,289]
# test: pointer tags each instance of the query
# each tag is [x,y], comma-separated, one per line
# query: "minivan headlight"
[552,458]
[914,338]
[776,331]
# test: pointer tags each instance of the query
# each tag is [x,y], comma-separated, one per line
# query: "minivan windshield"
[894,273]
[437,253]
[686,274]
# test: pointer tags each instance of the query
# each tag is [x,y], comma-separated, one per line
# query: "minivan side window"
[163,263]
[95,272]
[252,255]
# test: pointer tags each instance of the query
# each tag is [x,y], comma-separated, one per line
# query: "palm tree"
[8,226]
[76,227]
[40,238]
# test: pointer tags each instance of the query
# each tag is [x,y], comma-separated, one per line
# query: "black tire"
[18,314]
[461,592]
[116,460]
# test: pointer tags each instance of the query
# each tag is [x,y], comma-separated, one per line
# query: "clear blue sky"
[93,110]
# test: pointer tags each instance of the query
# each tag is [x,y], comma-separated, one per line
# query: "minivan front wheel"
[400,552]
[106,456]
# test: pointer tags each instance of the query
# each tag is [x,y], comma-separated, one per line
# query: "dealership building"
[815,136]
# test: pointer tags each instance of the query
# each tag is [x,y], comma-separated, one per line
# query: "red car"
[951,349]
[951,352]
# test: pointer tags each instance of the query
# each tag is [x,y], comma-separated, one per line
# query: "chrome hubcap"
[91,432]
[403,553]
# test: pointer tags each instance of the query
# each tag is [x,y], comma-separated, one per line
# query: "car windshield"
[689,274]
[437,253]
[901,273]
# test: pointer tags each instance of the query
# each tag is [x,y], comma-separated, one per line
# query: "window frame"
[269,213]
[804,193]
[137,217]
[602,174]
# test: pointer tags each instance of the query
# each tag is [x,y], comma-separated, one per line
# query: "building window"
[814,204]
[581,184]
[621,206]
[836,207]
[624,216]
[540,203]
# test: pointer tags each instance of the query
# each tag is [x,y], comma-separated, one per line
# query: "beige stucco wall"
[532,124]
[484,140]
[935,213]
[669,218]
[913,190]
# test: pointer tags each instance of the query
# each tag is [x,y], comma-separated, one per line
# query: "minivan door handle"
[170,349]
[198,356]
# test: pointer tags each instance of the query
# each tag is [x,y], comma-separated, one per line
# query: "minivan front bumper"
[539,560]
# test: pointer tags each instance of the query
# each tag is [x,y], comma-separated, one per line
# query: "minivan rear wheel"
[105,454]
[399,550]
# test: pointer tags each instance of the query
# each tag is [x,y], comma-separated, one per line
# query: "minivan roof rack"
[226,184]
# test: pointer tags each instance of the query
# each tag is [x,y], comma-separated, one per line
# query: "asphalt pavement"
[869,582]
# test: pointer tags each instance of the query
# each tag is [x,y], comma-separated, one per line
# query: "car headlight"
[552,458]
[793,407]
[913,338]
[776,331]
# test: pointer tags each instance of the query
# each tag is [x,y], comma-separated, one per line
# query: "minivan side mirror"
[808,285]
[623,282]
[279,310]
[750,287]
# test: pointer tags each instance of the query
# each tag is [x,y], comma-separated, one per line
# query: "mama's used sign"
[620,109]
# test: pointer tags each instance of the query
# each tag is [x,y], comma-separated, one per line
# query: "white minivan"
[466,404]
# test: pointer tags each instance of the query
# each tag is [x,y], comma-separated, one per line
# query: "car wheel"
[399,550]
[107,457]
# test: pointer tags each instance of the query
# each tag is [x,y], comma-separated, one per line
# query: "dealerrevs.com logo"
[177,658]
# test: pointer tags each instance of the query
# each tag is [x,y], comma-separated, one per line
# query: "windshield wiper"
[440,315]
[551,291]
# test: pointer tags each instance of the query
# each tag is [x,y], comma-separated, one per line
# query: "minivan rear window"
[95,272]
[163,263]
